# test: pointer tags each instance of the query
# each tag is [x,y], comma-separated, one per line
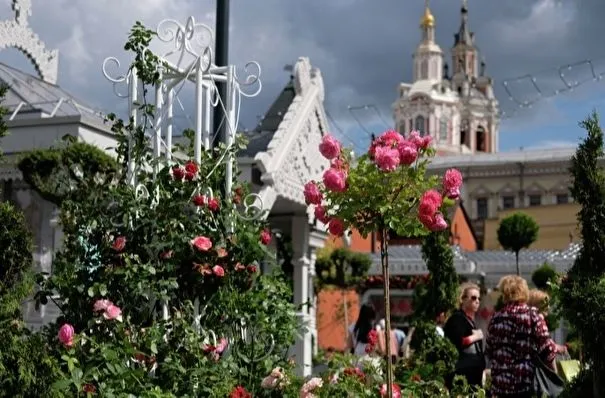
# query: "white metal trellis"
[190,60]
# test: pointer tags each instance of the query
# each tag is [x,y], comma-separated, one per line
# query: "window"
[482,209]
[443,129]
[480,139]
[535,200]
[508,202]
[419,125]
[562,198]
[424,70]
[402,128]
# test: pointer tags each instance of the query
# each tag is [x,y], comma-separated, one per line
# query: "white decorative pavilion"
[283,155]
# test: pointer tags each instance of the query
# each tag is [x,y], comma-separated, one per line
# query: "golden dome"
[428,20]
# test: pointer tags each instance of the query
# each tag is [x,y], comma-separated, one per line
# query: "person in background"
[397,338]
[462,331]
[358,332]
[440,321]
[541,301]
[515,333]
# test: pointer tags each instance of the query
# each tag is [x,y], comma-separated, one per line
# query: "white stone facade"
[459,111]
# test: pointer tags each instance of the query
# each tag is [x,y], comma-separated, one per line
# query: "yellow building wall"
[558,226]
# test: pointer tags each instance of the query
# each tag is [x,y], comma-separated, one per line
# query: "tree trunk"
[517,259]
[384,259]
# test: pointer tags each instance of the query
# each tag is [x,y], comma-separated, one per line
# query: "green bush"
[543,276]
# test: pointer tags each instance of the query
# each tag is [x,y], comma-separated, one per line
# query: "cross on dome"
[18,34]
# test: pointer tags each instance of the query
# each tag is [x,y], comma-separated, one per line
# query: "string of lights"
[549,83]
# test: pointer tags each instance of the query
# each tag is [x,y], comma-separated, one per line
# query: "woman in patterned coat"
[515,334]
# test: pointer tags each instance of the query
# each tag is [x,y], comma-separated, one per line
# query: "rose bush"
[385,190]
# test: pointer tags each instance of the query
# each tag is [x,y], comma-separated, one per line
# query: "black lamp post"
[221,51]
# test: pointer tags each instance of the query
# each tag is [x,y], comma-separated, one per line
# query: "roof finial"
[428,20]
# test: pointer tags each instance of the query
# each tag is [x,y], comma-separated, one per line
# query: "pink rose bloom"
[321,214]
[429,202]
[178,173]
[386,158]
[66,335]
[269,383]
[335,180]
[427,220]
[336,227]
[119,244]
[391,138]
[101,305]
[307,389]
[329,147]
[222,345]
[452,181]
[201,243]
[113,312]
[313,195]
[218,271]
[214,204]
[439,223]
[341,165]
[265,237]
[395,388]
[418,141]
[408,153]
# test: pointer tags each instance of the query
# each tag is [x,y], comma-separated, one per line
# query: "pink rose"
[389,139]
[178,173]
[313,195]
[306,391]
[191,167]
[335,180]
[386,158]
[113,312]
[329,147]
[265,237]
[251,269]
[199,200]
[426,219]
[439,223]
[201,243]
[101,305]
[426,141]
[218,271]
[336,227]
[214,204]
[222,345]
[341,165]
[452,181]
[321,214]
[119,244]
[408,153]
[395,388]
[429,202]
[66,335]
[416,139]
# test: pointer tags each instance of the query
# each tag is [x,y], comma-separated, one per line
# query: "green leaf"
[91,292]
[154,348]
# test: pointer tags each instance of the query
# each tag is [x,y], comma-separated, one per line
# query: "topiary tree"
[543,276]
[583,289]
[438,294]
[516,232]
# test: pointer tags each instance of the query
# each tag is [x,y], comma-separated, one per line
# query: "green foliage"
[439,293]
[19,375]
[582,291]
[194,319]
[57,173]
[342,268]
[544,276]
[432,349]
[516,232]
[16,243]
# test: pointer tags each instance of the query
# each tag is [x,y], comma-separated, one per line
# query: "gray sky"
[363,48]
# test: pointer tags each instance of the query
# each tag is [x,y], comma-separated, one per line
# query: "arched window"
[424,70]
[443,129]
[419,124]
[481,139]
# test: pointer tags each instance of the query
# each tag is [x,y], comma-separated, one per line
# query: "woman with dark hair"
[358,332]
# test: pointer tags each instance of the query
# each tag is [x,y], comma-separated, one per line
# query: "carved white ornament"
[18,34]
